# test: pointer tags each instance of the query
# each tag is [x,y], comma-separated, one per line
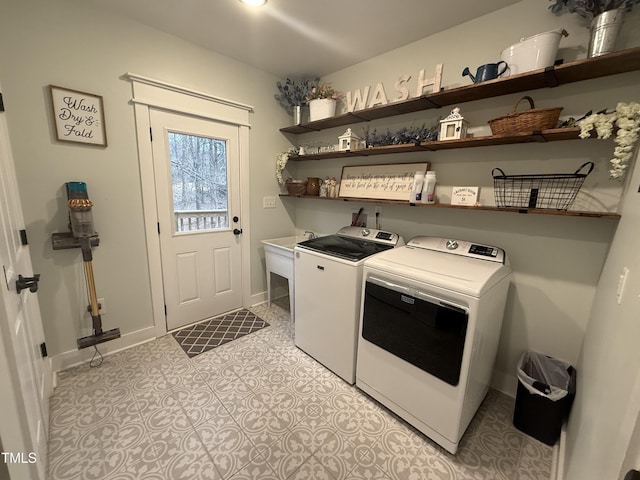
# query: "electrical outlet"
[359,221]
[268,202]
[102,306]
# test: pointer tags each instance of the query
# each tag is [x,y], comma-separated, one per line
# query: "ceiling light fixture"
[254,3]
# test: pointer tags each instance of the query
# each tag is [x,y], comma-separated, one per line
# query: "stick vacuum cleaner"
[81,220]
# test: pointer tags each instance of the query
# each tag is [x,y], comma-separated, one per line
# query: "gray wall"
[76,45]
[556,260]
[562,286]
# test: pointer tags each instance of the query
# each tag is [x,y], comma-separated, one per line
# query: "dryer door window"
[416,327]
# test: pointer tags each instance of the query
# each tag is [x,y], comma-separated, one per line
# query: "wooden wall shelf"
[614,63]
[532,211]
[552,135]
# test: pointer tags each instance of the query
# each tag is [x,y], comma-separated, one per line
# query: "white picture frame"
[78,116]
[465,196]
[380,182]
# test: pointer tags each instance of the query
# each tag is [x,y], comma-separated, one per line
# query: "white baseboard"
[507,384]
[72,358]
[559,452]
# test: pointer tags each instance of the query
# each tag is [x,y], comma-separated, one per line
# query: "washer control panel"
[459,247]
[372,235]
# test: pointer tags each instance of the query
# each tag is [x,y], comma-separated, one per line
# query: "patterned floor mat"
[204,336]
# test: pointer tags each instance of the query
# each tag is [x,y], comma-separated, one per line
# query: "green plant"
[292,93]
[324,90]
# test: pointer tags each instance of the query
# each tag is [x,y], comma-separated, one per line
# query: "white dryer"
[430,324]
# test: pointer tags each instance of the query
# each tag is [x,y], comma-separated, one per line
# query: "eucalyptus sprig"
[588,9]
[403,136]
[292,93]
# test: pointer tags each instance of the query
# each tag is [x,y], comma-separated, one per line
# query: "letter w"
[357,101]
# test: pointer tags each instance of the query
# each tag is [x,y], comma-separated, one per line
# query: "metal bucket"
[604,32]
[533,53]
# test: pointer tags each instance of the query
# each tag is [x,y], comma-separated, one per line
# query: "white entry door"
[196,167]
[26,374]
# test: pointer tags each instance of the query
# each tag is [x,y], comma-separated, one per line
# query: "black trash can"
[546,389]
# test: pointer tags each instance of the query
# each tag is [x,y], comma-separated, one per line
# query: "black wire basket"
[553,191]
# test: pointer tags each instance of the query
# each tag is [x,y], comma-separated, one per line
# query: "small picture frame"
[78,116]
[465,196]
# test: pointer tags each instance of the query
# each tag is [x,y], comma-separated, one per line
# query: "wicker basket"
[529,121]
[296,188]
[554,191]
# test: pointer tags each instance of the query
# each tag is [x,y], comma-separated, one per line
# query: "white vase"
[321,108]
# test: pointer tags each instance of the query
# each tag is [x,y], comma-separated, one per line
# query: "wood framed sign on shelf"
[383,182]
[79,116]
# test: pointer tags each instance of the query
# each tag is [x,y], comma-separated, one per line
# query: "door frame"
[149,93]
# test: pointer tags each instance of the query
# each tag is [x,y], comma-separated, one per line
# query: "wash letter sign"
[79,116]
[365,98]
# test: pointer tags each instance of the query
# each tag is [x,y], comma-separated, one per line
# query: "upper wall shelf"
[551,135]
[618,62]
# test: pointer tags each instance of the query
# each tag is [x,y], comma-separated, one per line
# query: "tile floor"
[258,408]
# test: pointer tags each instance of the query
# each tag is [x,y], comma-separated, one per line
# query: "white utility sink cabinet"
[278,253]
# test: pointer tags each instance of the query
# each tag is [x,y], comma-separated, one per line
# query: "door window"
[199,182]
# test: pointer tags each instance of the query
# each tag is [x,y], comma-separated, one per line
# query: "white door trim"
[147,94]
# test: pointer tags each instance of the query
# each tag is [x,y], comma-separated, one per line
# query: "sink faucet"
[310,234]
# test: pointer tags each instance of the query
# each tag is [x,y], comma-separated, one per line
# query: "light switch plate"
[268,202]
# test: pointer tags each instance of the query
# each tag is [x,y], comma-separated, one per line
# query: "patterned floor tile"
[259,408]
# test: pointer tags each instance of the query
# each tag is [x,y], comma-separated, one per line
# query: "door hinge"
[43,350]
[23,237]
[1,103]
[150,134]
[165,310]
[158,228]
[4,269]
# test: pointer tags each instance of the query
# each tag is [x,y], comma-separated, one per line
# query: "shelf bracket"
[538,136]
[550,77]
[430,103]
[358,117]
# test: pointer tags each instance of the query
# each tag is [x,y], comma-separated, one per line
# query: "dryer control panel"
[459,247]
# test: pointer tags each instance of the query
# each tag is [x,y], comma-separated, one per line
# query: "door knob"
[237,231]
[31,283]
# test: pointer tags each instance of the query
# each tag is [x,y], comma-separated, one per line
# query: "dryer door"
[417,327]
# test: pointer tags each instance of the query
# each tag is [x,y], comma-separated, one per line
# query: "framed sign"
[383,182]
[79,116]
[464,196]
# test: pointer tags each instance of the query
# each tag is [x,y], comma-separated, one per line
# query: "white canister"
[429,188]
[533,53]
[416,191]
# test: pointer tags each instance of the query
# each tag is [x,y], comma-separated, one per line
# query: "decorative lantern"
[454,126]
[349,141]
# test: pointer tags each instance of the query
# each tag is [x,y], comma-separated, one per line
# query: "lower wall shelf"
[533,211]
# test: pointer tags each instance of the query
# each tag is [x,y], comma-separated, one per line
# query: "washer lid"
[353,243]
[458,273]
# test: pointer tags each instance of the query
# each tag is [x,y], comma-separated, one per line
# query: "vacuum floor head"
[95,339]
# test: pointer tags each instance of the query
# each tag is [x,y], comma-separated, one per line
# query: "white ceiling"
[303,37]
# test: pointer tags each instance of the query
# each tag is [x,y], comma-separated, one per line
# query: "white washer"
[430,325]
[328,283]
